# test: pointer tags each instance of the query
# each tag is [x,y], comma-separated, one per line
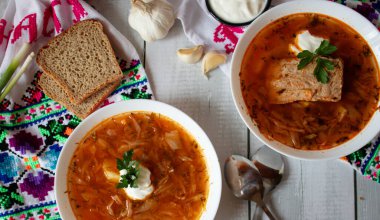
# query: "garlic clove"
[190,55]
[212,60]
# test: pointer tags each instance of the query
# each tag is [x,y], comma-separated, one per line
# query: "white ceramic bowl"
[366,29]
[91,121]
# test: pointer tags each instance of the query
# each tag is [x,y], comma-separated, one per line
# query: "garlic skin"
[212,60]
[190,55]
[152,19]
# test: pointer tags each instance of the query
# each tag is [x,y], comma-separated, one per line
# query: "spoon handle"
[268,212]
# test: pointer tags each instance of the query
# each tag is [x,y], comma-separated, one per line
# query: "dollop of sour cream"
[305,41]
[237,11]
[144,185]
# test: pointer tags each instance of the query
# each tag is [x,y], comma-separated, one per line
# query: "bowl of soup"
[305,79]
[138,159]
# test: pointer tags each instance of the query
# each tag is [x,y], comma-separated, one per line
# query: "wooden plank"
[368,198]
[207,101]
[313,190]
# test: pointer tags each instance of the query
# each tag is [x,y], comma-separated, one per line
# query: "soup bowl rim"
[340,12]
[138,105]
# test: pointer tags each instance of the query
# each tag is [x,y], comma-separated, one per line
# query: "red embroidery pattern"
[227,35]
[31,26]
[29,22]
[78,10]
[48,13]
[3,24]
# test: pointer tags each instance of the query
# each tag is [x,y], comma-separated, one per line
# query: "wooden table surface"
[309,190]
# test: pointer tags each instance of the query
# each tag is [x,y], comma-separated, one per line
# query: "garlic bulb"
[152,19]
[212,60]
[190,55]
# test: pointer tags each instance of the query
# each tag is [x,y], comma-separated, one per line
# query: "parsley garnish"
[132,170]
[323,65]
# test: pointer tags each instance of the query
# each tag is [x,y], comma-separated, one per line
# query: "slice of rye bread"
[81,60]
[54,91]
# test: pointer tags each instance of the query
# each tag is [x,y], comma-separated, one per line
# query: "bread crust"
[117,76]
[71,106]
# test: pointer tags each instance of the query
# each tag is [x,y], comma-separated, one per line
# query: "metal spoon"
[271,167]
[244,179]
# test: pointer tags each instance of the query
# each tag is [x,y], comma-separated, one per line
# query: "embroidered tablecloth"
[201,28]
[33,127]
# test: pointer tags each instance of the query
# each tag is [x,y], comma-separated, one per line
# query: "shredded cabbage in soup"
[178,170]
[310,125]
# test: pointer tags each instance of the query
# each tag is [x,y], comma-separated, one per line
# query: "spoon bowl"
[245,181]
[271,167]
[242,177]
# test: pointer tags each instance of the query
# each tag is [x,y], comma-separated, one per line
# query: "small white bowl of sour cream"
[211,159]
[237,13]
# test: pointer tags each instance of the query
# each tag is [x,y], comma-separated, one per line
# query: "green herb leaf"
[305,61]
[320,73]
[305,54]
[325,48]
[323,65]
[327,64]
[131,168]
[128,157]
[120,164]
[306,57]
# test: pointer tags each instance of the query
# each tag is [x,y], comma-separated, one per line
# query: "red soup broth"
[310,125]
[178,173]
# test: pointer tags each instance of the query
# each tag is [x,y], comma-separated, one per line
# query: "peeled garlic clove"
[190,55]
[212,60]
